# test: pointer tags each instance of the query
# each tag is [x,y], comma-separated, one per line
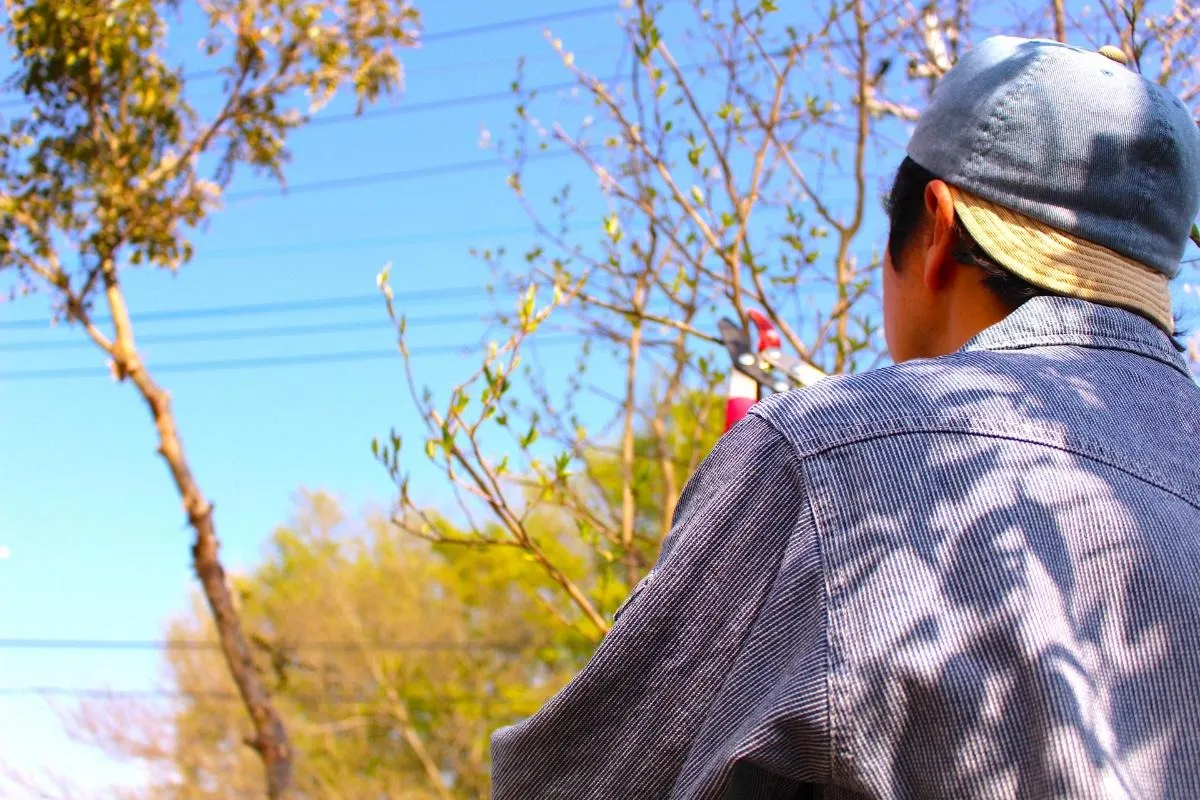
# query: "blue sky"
[98,545]
[99,549]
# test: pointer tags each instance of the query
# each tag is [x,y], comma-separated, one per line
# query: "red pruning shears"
[758,373]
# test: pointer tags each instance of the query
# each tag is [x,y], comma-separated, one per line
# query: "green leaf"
[526,309]
[530,437]
[612,226]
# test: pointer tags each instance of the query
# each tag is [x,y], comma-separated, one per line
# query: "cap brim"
[1064,264]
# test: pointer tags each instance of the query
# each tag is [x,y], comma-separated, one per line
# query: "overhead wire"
[336,183]
[304,359]
[354,181]
[436,170]
[444,645]
[250,309]
[241,334]
[223,365]
[414,173]
[97,693]
[430,171]
[440,104]
[477,30]
[435,36]
[485,64]
[503,25]
[306,248]
[483,97]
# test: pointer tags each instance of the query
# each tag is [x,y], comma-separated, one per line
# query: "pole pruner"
[759,372]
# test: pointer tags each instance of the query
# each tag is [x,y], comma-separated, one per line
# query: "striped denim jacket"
[971,576]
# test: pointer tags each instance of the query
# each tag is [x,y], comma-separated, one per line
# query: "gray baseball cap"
[1068,167]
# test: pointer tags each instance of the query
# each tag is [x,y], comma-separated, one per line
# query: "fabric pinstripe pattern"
[974,576]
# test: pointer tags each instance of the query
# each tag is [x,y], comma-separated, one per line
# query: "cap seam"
[998,120]
[1146,193]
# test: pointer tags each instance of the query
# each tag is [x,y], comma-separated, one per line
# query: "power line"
[425,172]
[476,30]
[312,359]
[303,248]
[438,170]
[404,109]
[91,693]
[486,65]
[389,177]
[96,693]
[436,36]
[447,645]
[237,334]
[431,171]
[477,99]
[504,25]
[319,304]
[308,359]
[430,105]
[480,65]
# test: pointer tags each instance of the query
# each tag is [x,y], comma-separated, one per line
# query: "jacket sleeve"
[711,682]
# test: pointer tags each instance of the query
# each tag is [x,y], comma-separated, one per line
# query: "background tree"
[114,163]
[390,659]
[739,160]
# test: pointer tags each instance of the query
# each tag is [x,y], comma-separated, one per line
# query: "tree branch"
[271,739]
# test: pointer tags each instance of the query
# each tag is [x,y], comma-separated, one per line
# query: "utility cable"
[435,36]
[96,693]
[244,334]
[249,309]
[300,360]
[448,645]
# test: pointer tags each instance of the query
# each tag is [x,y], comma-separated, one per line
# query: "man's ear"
[939,265]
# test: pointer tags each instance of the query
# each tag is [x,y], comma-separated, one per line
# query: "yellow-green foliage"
[372,639]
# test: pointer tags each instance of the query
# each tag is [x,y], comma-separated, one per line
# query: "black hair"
[904,205]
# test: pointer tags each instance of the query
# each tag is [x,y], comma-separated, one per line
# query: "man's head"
[1037,169]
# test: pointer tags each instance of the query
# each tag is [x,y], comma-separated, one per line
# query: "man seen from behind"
[975,573]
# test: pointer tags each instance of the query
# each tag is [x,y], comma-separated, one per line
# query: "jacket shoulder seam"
[1019,430]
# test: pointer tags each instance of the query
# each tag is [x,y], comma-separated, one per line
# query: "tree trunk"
[271,739]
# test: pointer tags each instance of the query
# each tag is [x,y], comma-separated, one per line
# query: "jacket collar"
[1047,320]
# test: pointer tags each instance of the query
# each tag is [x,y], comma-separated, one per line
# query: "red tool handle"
[735,409]
[743,393]
[768,337]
